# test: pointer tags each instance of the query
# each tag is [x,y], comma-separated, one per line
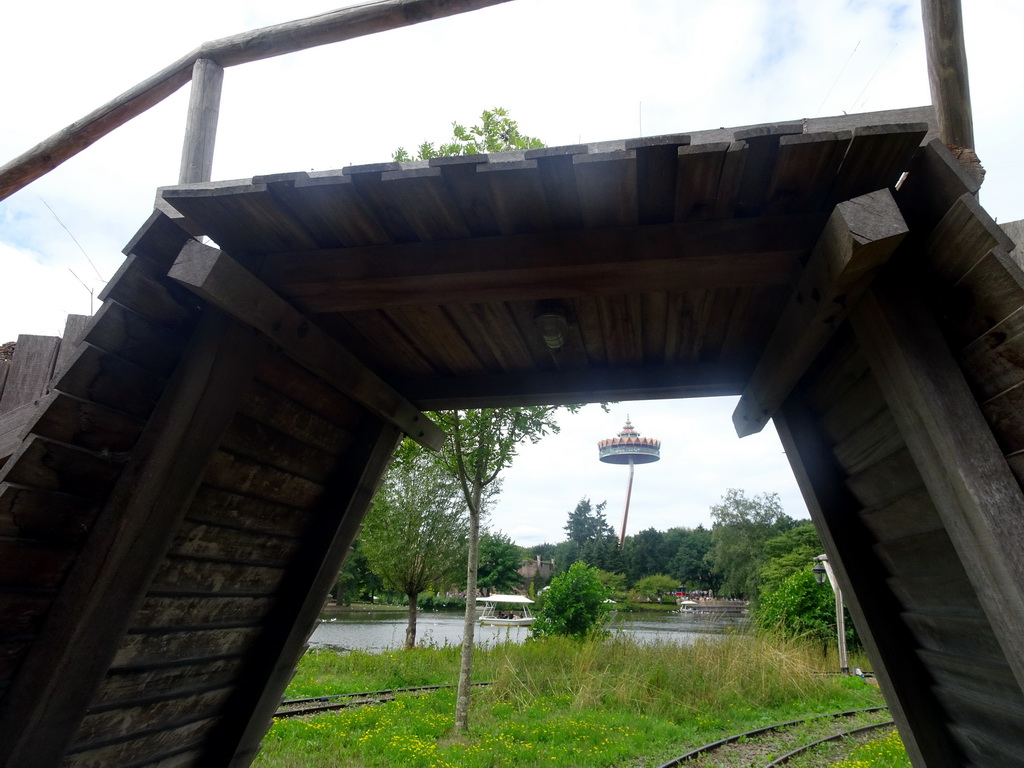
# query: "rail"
[267,42]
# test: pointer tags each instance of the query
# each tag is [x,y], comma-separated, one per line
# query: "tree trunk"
[410,628]
[469,623]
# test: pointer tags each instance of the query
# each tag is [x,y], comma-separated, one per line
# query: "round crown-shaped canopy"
[629,447]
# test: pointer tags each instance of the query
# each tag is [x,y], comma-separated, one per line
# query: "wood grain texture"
[30,371]
[860,236]
[946,54]
[875,610]
[975,493]
[44,705]
[201,122]
[222,281]
[537,266]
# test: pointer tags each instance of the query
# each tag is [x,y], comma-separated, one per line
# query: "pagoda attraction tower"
[628,448]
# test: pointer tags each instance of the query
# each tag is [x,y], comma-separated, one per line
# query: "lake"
[382,631]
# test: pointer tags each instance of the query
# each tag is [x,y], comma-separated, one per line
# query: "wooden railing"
[205,66]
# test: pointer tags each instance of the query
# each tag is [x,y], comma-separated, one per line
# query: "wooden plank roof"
[669,255]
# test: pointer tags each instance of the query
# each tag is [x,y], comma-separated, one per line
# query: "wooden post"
[947,70]
[848,544]
[201,122]
[974,491]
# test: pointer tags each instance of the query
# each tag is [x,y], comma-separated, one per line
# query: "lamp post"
[822,570]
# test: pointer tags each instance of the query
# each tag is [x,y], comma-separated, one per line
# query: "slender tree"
[414,536]
[482,443]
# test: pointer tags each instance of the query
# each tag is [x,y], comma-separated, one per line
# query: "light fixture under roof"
[553,324]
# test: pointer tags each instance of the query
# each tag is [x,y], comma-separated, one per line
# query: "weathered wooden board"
[111,381]
[181,576]
[45,515]
[152,746]
[114,724]
[30,371]
[163,612]
[202,541]
[128,686]
[975,493]
[142,649]
[237,474]
[859,237]
[212,505]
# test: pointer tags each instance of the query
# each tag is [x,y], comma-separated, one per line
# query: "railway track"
[758,747]
[318,704]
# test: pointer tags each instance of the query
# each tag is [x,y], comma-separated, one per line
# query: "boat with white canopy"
[506,611]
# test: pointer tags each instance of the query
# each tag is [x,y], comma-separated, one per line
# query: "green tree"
[689,563]
[616,582]
[481,443]
[356,579]
[414,536]
[587,523]
[645,553]
[497,132]
[787,553]
[573,605]
[801,607]
[655,586]
[741,528]
[500,561]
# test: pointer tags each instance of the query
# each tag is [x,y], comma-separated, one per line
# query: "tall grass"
[558,702]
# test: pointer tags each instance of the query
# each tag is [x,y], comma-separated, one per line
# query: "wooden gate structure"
[176,501]
[176,506]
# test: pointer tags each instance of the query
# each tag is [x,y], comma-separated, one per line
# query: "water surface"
[381,631]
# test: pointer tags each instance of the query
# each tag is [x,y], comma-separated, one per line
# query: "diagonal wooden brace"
[222,281]
[859,237]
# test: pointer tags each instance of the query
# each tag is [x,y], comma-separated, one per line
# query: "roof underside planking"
[179,497]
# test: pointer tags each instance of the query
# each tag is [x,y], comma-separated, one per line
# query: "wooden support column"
[947,70]
[860,236]
[226,284]
[301,597]
[862,576]
[201,122]
[971,485]
[80,635]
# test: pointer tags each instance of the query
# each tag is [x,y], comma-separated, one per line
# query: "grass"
[558,703]
[886,752]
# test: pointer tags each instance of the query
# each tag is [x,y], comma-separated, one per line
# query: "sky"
[570,71]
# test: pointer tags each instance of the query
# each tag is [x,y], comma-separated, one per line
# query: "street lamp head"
[819,573]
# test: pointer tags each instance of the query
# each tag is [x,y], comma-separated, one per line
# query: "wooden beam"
[41,710]
[223,282]
[947,70]
[30,370]
[858,239]
[973,489]
[314,571]
[862,576]
[201,122]
[575,386]
[565,264]
[332,27]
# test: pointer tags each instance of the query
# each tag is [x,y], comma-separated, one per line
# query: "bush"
[801,607]
[574,604]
